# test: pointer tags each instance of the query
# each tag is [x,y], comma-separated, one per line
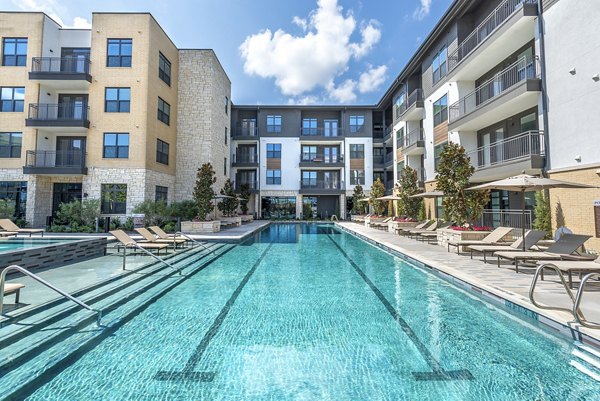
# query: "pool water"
[15,244]
[307,312]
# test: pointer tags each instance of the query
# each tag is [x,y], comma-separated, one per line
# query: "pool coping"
[498,296]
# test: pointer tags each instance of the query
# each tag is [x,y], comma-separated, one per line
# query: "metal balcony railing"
[484,30]
[238,184]
[378,159]
[321,158]
[413,137]
[389,157]
[415,96]
[61,65]
[378,133]
[55,158]
[519,71]
[244,131]
[58,112]
[524,145]
[321,184]
[505,218]
[389,184]
[245,158]
[322,131]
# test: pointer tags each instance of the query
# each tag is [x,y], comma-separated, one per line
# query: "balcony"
[414,143]
[388,160]
[412,108]
[321,134]
[509,92]
[243,133]
[389,187]
[252,184]
[58,116]
[509,27]
[321,160]
[245,160]
[378,134]
[321,187]
[378,161]
[62,72]
[511,156]
[55,162]
[388,134]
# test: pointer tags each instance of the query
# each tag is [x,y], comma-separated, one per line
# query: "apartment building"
[94,114]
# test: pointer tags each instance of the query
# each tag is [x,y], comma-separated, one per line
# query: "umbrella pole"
[523,220]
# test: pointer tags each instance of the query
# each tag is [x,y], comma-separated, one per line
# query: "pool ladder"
[576,299]
[47,284]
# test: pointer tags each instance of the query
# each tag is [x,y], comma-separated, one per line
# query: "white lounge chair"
[532,237]
[8,225]
[129,242]
[492,238]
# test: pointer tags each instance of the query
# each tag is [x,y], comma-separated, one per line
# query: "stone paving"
[503,282]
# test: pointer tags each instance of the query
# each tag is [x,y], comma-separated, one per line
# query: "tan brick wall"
[574,207]
[430,203]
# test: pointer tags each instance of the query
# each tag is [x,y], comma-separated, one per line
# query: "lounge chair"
[402,230]
[380,224]
[129,242]
[8,225]
[163,235]
[563,249]
[429,236]
[148,236]
[13,288]
[532,237]
[492,238]
[416,231]
[8,233]
[573,266]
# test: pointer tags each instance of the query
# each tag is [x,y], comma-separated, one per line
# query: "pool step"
[79,330]
[587,360]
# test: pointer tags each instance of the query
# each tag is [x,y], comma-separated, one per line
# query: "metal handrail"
[55,158]
[58,111]
[47,284]
[328,132]
[135,245]
[506,217]
[413,137]
[309,183]
[68,65]
[527,143]
[194,241]
[577,304]
[414,97]
[242,131]
[321,158]
[245,157]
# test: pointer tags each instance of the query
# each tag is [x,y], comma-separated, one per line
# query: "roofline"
[216,58]
[302,106]
[33,12]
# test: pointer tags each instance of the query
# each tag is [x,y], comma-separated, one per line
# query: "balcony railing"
[389,158]
[61,65]
[238,185]
[414,97]
[241,131]
[484,30]
[520,71]
[505,218]
[58,112]
[413,137]
[321,184]
[378,133]
[389,184]
[378,159]
[321,132]
[527,144]
[321,158]
[55,158]
[245,158]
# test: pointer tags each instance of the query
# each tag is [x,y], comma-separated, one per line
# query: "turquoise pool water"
[306,312]
[15,244]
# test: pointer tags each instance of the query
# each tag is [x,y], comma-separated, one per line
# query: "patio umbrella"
[527,183]
[389,198]
[429,195]
[364,200]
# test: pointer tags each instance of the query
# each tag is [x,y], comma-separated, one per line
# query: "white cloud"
[300,64]
[53,9]
[372,79]
[423,10]
[301,22]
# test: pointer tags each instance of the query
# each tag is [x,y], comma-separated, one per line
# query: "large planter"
[234,221]
[445,235]
[246,218]
[369,220]
[200,227]
[394,225]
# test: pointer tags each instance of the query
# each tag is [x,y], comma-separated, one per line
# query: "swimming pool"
[309,312]
[14,244]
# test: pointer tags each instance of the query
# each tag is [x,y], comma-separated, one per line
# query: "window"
[14,52]
[116,145]
[273,150]
[437,151]
[357,151]
[118,53]
[273,177]
[117,100]
[399,168]
[164,68]
[273,123]
[114,198]
[440,64]
[226,105]
[357,177]
[11,98]
[161,193]
[162,152]
[357,123]
[309,126]
[15,193]
[309,153]
[10,144]
[309,178]
[225,166]
[164,111]
[398,102]
[225,135]
[529,122]
[400,138]
[440,111]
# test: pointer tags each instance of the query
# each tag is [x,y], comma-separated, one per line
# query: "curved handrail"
[538,271]
[47,284]
[576,305]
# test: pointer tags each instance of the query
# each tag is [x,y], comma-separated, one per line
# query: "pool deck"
[503,282]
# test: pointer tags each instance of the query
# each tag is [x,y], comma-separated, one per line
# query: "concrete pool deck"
[503,283]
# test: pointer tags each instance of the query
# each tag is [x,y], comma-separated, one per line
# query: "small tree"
[245,196]
[406,187]
[422,215]
[7,209]
[377,191]
[203,191]
[156,213]
[358,194]
[228,206]
[543,217]
[453,173]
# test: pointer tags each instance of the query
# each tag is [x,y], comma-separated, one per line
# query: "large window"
[14,52]
[357,123]
[116,145]
[437,151]
[440,64]
[273,123]
[164,68]
[357,151]
[309,126]
[114,198]
[10,144]
[164,111]
[12,98]
[279,207]
[162,152]
[273,150]
[400,138]
[273,177]
[309,178]
[357,177]
[118,53]
[440,110]
[309,153]
[161,193]
[15,193]
[117,100]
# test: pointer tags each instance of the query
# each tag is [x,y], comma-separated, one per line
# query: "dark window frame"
[123,60]
[274,123]
[354,124]
[440,116]
[13,150]
[355,152]
[109,195]
[161,193]
[274,152]
[15,191]
[120,104]
[357,179]
[163,111]
[118,147]
[20,60]
[273,177]
[15,105]
[441,70]
[164,68]
[162,152]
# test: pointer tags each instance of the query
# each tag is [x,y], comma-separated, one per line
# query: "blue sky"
[281,51]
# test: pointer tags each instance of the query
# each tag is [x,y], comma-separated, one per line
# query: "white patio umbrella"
[389,198]
[429,195]
[527,183]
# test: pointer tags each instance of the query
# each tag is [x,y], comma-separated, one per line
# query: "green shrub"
[57,229]
[543,217]
[155,213]
[203,190]
[170,227]
[245,197]
[128,225]
[7,209]
[78,213]
[358,194]
[185,210]
[228,206]
[406,187]
[377,191]
[115,224]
